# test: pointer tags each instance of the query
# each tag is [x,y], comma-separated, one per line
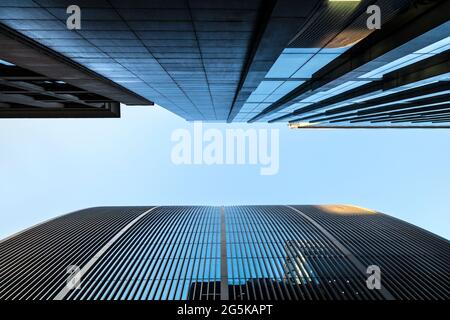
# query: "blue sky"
[50,167]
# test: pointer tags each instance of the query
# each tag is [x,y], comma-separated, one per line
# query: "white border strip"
[62,294]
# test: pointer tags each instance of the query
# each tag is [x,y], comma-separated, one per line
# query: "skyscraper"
[225,253]
[312,63]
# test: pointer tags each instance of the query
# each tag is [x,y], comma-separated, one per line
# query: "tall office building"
[225,253]
[312,63]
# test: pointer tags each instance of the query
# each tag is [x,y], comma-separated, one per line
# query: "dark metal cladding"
[270,253]
[414,262]
[33,263]
[227,61]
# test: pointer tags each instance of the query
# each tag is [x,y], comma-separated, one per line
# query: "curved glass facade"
[224,253]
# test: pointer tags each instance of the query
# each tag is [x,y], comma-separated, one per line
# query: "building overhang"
[37,82]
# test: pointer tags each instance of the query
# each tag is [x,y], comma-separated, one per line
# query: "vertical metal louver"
[276,254]
[414,262]
[33,263]
[214,253]
[172,253]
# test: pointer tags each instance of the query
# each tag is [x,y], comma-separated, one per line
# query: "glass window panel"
[287,87]
[287,64]
[313,65]
[436,47]
[267,87]
[301,50]
[256,97]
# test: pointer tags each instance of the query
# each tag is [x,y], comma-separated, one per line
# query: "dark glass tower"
[314,63]
[224,253]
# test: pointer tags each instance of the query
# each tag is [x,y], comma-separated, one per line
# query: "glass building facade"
[310,63]
[224,253]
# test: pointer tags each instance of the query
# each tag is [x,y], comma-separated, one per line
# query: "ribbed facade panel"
[273,253]
[414,262]
[33,263]
[225,253]
[162,257]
